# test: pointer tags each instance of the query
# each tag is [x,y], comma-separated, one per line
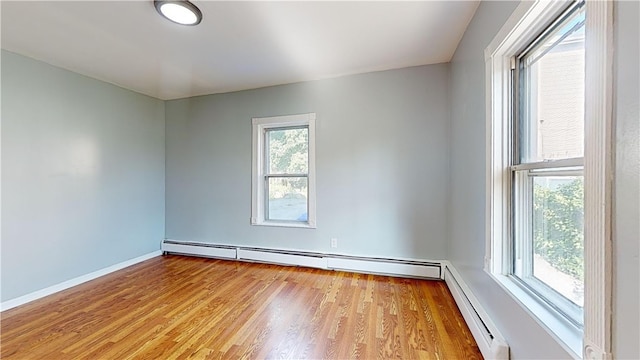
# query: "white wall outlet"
[334,242]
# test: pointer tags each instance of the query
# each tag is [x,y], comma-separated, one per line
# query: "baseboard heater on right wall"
[491,343]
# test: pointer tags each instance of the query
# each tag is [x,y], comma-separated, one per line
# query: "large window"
[283,171]
[547,149]
[549,160]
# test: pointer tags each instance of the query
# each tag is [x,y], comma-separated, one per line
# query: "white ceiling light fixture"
[180,12]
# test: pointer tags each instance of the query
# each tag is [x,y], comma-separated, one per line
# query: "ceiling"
[239,45]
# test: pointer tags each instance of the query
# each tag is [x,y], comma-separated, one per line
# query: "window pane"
[553,94]
[558,237]
[288,151]
[287,198]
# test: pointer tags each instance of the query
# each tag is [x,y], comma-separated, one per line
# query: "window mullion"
[286,175]
[551,164]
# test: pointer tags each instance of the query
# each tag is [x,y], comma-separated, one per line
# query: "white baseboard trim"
[429,269]
[10,304]
[491,343]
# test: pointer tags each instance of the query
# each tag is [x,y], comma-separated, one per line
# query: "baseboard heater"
[371,265]
[199,249]
[282,257]
[491,343]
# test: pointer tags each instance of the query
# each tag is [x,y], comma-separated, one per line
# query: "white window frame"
[524,168]
[258,200]
[526,22]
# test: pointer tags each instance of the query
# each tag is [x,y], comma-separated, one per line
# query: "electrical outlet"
[334,242]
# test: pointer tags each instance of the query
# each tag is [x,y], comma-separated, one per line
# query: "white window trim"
[257,184]
[528,20]
[598,180]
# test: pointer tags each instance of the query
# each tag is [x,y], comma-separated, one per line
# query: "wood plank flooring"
[176,307]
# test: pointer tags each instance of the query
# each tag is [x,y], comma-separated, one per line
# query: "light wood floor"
[187,308]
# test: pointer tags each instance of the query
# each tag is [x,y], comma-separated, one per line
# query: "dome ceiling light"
[180,12]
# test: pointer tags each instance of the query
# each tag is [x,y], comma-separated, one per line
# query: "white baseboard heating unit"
[199,249]
[282,257]
[491,343]
[382,266]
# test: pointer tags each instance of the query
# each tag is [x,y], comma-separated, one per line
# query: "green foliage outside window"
[558,226]
[288,151]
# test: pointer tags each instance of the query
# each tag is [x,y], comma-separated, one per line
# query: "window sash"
[267,216]
[267,153]
[522,253]
[551,164]
[522,83]
[522,171]
[268,175]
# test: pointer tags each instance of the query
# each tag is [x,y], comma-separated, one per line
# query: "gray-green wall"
[82,175]
[466,246]
[382,164]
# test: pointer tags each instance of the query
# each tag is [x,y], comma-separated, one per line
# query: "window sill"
[565,333]
[303,225]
